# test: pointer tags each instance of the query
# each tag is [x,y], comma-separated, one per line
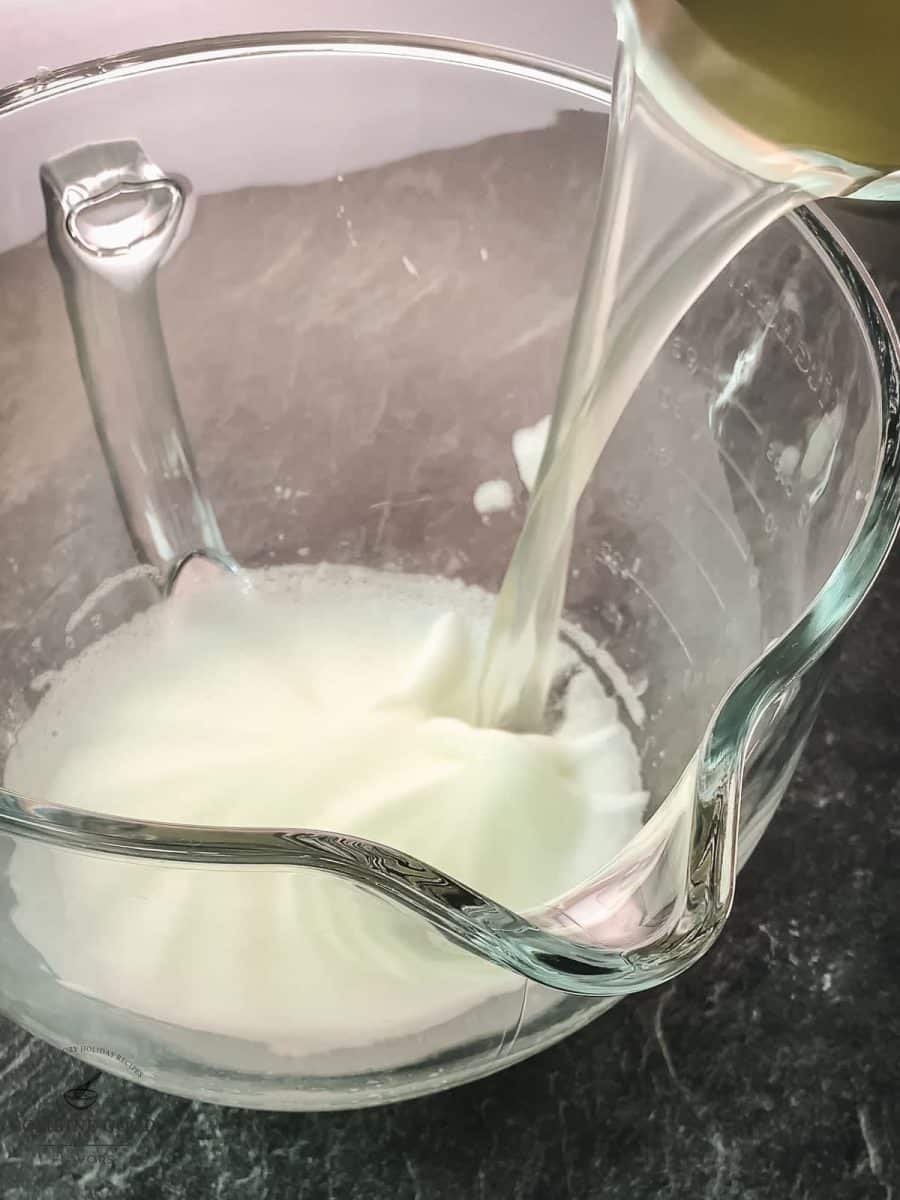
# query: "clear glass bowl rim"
[474,922]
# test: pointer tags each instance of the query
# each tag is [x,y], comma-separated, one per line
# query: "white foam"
[324,697]
[528,449]
[493,496]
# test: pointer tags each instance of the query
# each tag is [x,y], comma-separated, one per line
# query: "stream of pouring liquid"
[647,265]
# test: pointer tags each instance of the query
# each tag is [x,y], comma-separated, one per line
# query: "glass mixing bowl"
[374,294]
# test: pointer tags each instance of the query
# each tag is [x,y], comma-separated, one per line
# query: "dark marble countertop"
[770,1071]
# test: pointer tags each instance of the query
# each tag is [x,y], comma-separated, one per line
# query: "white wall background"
[56,33]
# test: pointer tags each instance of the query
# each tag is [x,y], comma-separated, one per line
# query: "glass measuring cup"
[368,305]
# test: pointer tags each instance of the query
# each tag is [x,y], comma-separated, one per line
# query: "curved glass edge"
[328,1093]
[717,796]
[50,84]
[465,917]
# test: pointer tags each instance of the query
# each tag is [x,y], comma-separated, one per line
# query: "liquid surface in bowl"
[325,698]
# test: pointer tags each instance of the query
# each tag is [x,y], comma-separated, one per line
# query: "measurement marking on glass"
[662,612]
[744,480]
[701,495]
[688,553]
